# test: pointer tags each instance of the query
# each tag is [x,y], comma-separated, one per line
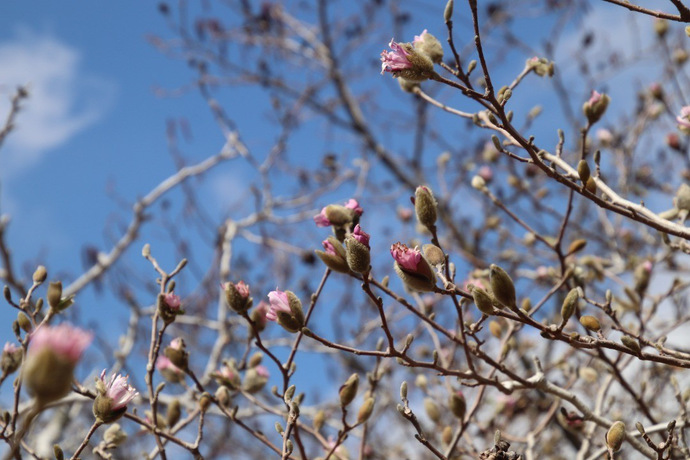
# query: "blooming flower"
[321,220]
[172,301]
[361,235]
[407,258]
[684,119]
[242,288]
[279,303]
[64,340]
[118,390]
[396,60]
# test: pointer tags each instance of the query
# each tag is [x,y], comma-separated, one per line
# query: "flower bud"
[255,359]
[334,256]
[457,404]
[642,276]
[227,375]
[591,323]
[237,296]
[52,356]
[496,329]
[577,245]
[479,183]
[54,294]
[114,436]
[403,390]
[541,66]
[169,306]
[428,44]
[57,451]
[595,107]
[425,206]
[569,304]
[502,286]
[177,353]
[615,436]
[482,300]
[357,254]
[172,416]
[286,310]
[205,401]
[365,410]
[412,268]
[349,390]
[168,370]
[40,274]
[24,321]
[433,254]
[631,343]
[255,379]
[448,11]
[338,215]
[432,410]
[223,396]
[682,200]
[583,171]
[319,420]
[11,358]
[591,186]
[447,435]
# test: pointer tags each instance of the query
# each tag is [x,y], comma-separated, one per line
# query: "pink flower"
[594,98]
[118,390]
[10,348]
[648,265]
[321,220]
[226,372]
[279,303]
[64,340]
[360,235]
[396,60]
[354,205]
[419,38]
[262,371]
[261,311]
[684,118]
[407,258]
[328,246]
[242,288]
[172,301]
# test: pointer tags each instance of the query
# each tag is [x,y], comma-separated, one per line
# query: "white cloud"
[63,99]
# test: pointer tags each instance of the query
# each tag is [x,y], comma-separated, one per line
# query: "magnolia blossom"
[407,258]
[242,288]
[226,372]
[354,205]
[684,118]
[172,301]
[163,364]
[64,340]
[396,60]
[321,220]
[279,303]
[118,390]
[594,98]
[361,236]
[328,246]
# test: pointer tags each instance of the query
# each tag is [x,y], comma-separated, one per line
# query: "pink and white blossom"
[354,205]
[163,363]
[118,390]
[594,98]
[684,118]
[321,220]
[65,340]
[420,38]
[278,303]
[172,301]
[407,258]
[395,60]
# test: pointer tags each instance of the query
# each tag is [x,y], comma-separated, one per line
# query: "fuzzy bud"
[255,379]
[412,268]
[496,329]
[433,254]
[223,396]
[172,416]
[24,321]
[11,358]
[334,256]
[357,250]
[425,206]
[349,390]
[502,286]
[448,12]
[591,323]
[457,404]
[428,44]
[631,343]
[54,294]
[406,62]
[569,304]
[432,410]
[319,420]
[482,300]
[177,353]
[237,296]
[478,183]
[595,107]
[365,410]
[205,401]
[583,171]
[40,274]
[615,436]
[286,310]
[577,245]
[114,435]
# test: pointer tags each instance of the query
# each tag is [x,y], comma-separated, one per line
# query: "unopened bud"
[223,395]
[432,410]
[205,401]
[457,404]
[24,322]
[57,451]
[40,274]
[365,410]
[482,300]
[631,343]
[425,206]
[479,183]
[583,171]
[349,390]
[569,304]
[54,294]
[595,107]
[577,245]
[403,390]
[448,11]
[357,255]
[114,435]
[615,436]
[495,329]
[502,286]
[319,420]
[591,323]
[433,254]
[174,412]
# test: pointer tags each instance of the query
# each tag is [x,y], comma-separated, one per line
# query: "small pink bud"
[486,173]
[321,220]
[172,301]
[354,205]
[361,235]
